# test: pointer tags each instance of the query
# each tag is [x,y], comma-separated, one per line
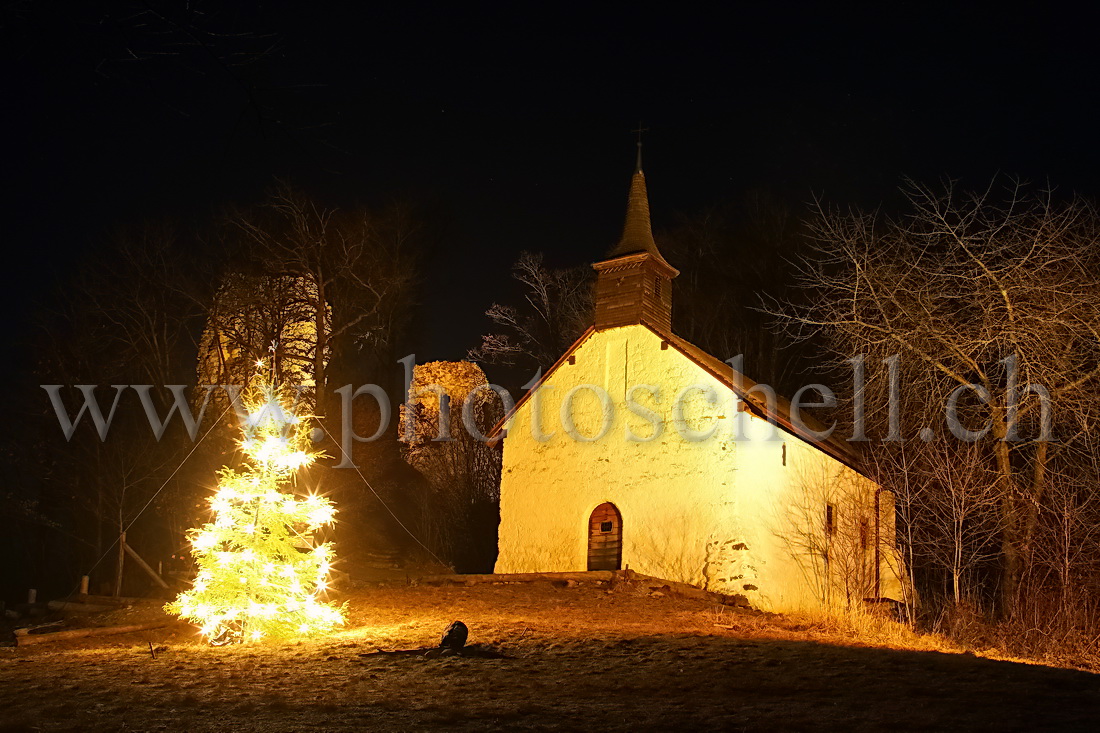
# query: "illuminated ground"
[578,658]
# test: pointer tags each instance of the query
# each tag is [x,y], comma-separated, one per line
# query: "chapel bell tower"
[634,283]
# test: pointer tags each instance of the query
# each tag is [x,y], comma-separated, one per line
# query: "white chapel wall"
[725,515]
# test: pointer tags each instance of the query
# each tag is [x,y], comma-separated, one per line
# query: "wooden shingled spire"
[637,229]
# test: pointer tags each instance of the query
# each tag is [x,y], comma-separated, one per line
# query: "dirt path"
[578,659]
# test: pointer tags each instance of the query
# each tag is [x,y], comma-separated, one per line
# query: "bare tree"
[446,400]
[260,324]
[142,307]
[128,319]
[1066,559]
[350,272]
[957,510]
[557,308]
[965,294]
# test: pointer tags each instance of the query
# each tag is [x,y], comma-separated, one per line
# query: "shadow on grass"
[657,682]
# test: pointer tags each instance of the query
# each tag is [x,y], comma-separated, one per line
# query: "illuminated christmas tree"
[260,572]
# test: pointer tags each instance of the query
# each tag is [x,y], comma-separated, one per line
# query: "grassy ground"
[577,658]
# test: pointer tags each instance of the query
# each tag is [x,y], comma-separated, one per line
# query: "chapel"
[639,450]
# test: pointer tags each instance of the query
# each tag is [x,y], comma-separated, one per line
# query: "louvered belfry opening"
[605,538]
[633,290]
[634,284]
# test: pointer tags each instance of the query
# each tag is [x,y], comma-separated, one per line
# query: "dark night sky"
[515,124]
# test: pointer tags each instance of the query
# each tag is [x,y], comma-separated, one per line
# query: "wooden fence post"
[144,565]
[121,564]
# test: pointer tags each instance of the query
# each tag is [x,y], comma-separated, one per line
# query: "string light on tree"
[261,575]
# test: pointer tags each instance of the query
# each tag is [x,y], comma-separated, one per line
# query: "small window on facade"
[830,520]
[657,286]
[606,526]
[784,452]
[864,534]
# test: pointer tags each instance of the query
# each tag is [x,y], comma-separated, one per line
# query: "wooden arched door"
[605,538]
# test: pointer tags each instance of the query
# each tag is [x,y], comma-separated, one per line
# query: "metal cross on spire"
[639,131]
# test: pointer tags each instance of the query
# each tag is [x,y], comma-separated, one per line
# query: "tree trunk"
[321,341]
[1010,541]
[1035,496]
